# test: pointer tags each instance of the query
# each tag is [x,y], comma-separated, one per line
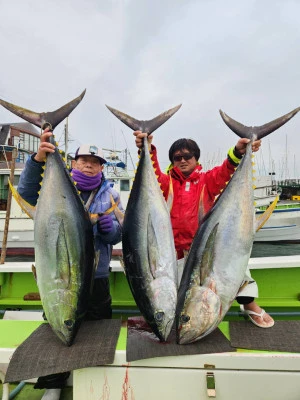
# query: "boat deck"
[279,373]
[273,375]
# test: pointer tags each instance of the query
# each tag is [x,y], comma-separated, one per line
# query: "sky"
[145,57]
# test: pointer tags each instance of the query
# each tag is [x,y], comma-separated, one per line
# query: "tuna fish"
[148,244]
[216,264]
[63,234]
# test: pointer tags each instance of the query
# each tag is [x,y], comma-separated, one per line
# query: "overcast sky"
[144,57]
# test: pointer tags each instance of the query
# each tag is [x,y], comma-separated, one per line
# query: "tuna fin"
[258,131]
[202,212]
[260,221]
[242,287]
[26,207]
[152,247]
[63,273]
[144,126]
[170,195]
[44,119]
[94,218]
[114,208]
[118,213]
[208,255]
[33,269]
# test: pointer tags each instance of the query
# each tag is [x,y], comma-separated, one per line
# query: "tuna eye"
[159,316]
[185,318]
[69,323]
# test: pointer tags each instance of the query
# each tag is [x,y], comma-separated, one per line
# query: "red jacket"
[186,196]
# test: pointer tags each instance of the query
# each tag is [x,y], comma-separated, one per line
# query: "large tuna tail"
[257,131]
[144,126]
[44,119]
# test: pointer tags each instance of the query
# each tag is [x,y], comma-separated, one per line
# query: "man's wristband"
[234,156]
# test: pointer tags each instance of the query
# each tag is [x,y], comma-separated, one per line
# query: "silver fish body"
[148,250]
[63,233]
[147,239]
[219,257]
[64,250]
[216,264]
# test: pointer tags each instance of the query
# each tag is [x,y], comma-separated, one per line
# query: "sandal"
[248,314]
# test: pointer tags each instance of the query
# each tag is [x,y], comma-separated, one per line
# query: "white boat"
[117,172]
[265,191]
[284,223]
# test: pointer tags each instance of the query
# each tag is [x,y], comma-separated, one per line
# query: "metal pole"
[66,138]
[9,196]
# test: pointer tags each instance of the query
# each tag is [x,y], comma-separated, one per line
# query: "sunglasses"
[185,156]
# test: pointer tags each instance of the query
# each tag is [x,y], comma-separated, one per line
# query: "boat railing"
[290,204]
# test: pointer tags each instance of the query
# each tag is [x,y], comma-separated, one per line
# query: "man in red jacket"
[188,182]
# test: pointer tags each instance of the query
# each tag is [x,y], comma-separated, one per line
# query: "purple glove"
[105,224]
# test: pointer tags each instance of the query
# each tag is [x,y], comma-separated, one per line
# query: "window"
[124,185]
[27,142]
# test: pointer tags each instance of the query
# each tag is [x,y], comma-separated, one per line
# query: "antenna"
[128,152]
[66,135]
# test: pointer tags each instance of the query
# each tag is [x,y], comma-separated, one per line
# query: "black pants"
[244,299]
[99,307]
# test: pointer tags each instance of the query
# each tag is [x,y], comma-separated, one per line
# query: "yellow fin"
[118,213]
[262,219]
[33,269]
[26,207]
[170,195]
[243,286]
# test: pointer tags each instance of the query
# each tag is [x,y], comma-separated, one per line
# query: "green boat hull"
[279,292]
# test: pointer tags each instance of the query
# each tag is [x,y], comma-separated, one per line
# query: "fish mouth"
[163,328]
[200,321]
[168,328]
[67,334]
[66,339]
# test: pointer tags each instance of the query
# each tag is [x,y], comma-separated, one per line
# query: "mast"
[66,136]
[9,197]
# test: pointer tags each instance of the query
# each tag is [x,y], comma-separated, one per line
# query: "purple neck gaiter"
[84,182]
